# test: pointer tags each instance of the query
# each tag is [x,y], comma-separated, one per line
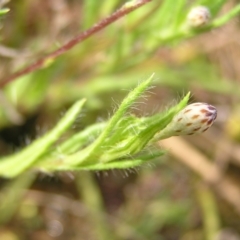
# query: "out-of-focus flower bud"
[199,16]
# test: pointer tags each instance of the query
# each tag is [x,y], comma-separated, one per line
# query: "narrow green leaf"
[226,18]
[16,164]
[87,153]
[10,196]
[4,11]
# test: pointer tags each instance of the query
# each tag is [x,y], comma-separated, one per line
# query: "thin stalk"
[121,12]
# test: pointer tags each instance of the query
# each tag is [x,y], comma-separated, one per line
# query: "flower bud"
[199,16]
[193,119]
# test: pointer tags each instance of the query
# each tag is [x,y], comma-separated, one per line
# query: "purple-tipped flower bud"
[199,16]
[193,119]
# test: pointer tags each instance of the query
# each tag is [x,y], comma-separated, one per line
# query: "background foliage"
[191,193]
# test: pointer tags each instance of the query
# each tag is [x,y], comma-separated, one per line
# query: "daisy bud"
[193,119]
[199,16]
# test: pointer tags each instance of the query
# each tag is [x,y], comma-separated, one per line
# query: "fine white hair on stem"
[115,105]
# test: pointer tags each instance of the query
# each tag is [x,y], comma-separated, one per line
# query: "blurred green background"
[192,193]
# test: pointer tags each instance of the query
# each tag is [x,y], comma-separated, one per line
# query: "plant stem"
[121,12]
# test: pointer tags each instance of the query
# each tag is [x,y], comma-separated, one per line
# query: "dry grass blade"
[208,171]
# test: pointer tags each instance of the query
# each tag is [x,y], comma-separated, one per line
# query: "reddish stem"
[78,39]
